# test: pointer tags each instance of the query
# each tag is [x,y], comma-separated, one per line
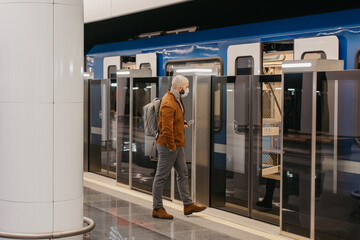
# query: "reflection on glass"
[218,159]
[103,146]
[266,182]
[144,157]
[123,125]
[297,153]
[241,147]
[111,146]
[337,214]
[229,175]
[217,108]
[95,126]
[237,143]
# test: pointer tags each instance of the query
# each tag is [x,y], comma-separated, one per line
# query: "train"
[213,45]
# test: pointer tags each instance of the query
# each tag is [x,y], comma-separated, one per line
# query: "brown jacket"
[171,123]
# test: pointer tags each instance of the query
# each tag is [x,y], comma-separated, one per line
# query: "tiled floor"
[122,215]
[119,219]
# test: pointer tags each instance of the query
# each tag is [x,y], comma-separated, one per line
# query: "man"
[170,145]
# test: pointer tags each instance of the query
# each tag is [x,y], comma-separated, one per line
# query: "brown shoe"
[191,208]
[161,213]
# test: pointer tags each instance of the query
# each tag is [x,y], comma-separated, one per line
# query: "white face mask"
[185,93]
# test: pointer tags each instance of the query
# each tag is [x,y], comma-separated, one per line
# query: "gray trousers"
[167,160]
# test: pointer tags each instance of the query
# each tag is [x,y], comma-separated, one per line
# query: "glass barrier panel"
[95,127]
[337,196]
[240,178]
[123,130]
[164,86]
[229,141]
[144,154]
[238,146]
[266,95]
[102,151]
[297,131]
[218,141]
[112,130]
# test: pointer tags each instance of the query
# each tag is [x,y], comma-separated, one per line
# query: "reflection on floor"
[119,219]
[123,217]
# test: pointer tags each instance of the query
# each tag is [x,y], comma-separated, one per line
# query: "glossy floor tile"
[122,220]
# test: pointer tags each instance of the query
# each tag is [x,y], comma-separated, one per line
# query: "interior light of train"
[190,70]
[135,88]
[123,73]
[291,89]
[148,86]
[296,65]
[113,84]
[278,88]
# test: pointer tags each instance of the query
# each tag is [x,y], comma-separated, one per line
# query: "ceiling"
[205,14]
[95,10]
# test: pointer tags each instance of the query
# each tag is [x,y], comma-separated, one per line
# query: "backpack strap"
[157,125]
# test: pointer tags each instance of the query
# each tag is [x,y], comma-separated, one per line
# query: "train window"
[145,66]
[215,64]
[112,71]
[244,65]
[217,108]
[313,55]
[357,60]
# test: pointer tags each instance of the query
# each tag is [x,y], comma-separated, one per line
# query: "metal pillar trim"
[131,131]
[313,158]
[336,112]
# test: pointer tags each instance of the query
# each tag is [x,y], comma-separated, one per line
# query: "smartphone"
[189,122]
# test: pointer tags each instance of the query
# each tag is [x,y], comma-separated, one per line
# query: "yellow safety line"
[203,215]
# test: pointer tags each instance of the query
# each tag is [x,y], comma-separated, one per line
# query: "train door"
[229,162]
[246,146]
[238,153]
[244,59]
[316,48]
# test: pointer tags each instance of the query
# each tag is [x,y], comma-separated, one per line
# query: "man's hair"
[178,80]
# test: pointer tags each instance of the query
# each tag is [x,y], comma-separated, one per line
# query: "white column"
[41,115]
